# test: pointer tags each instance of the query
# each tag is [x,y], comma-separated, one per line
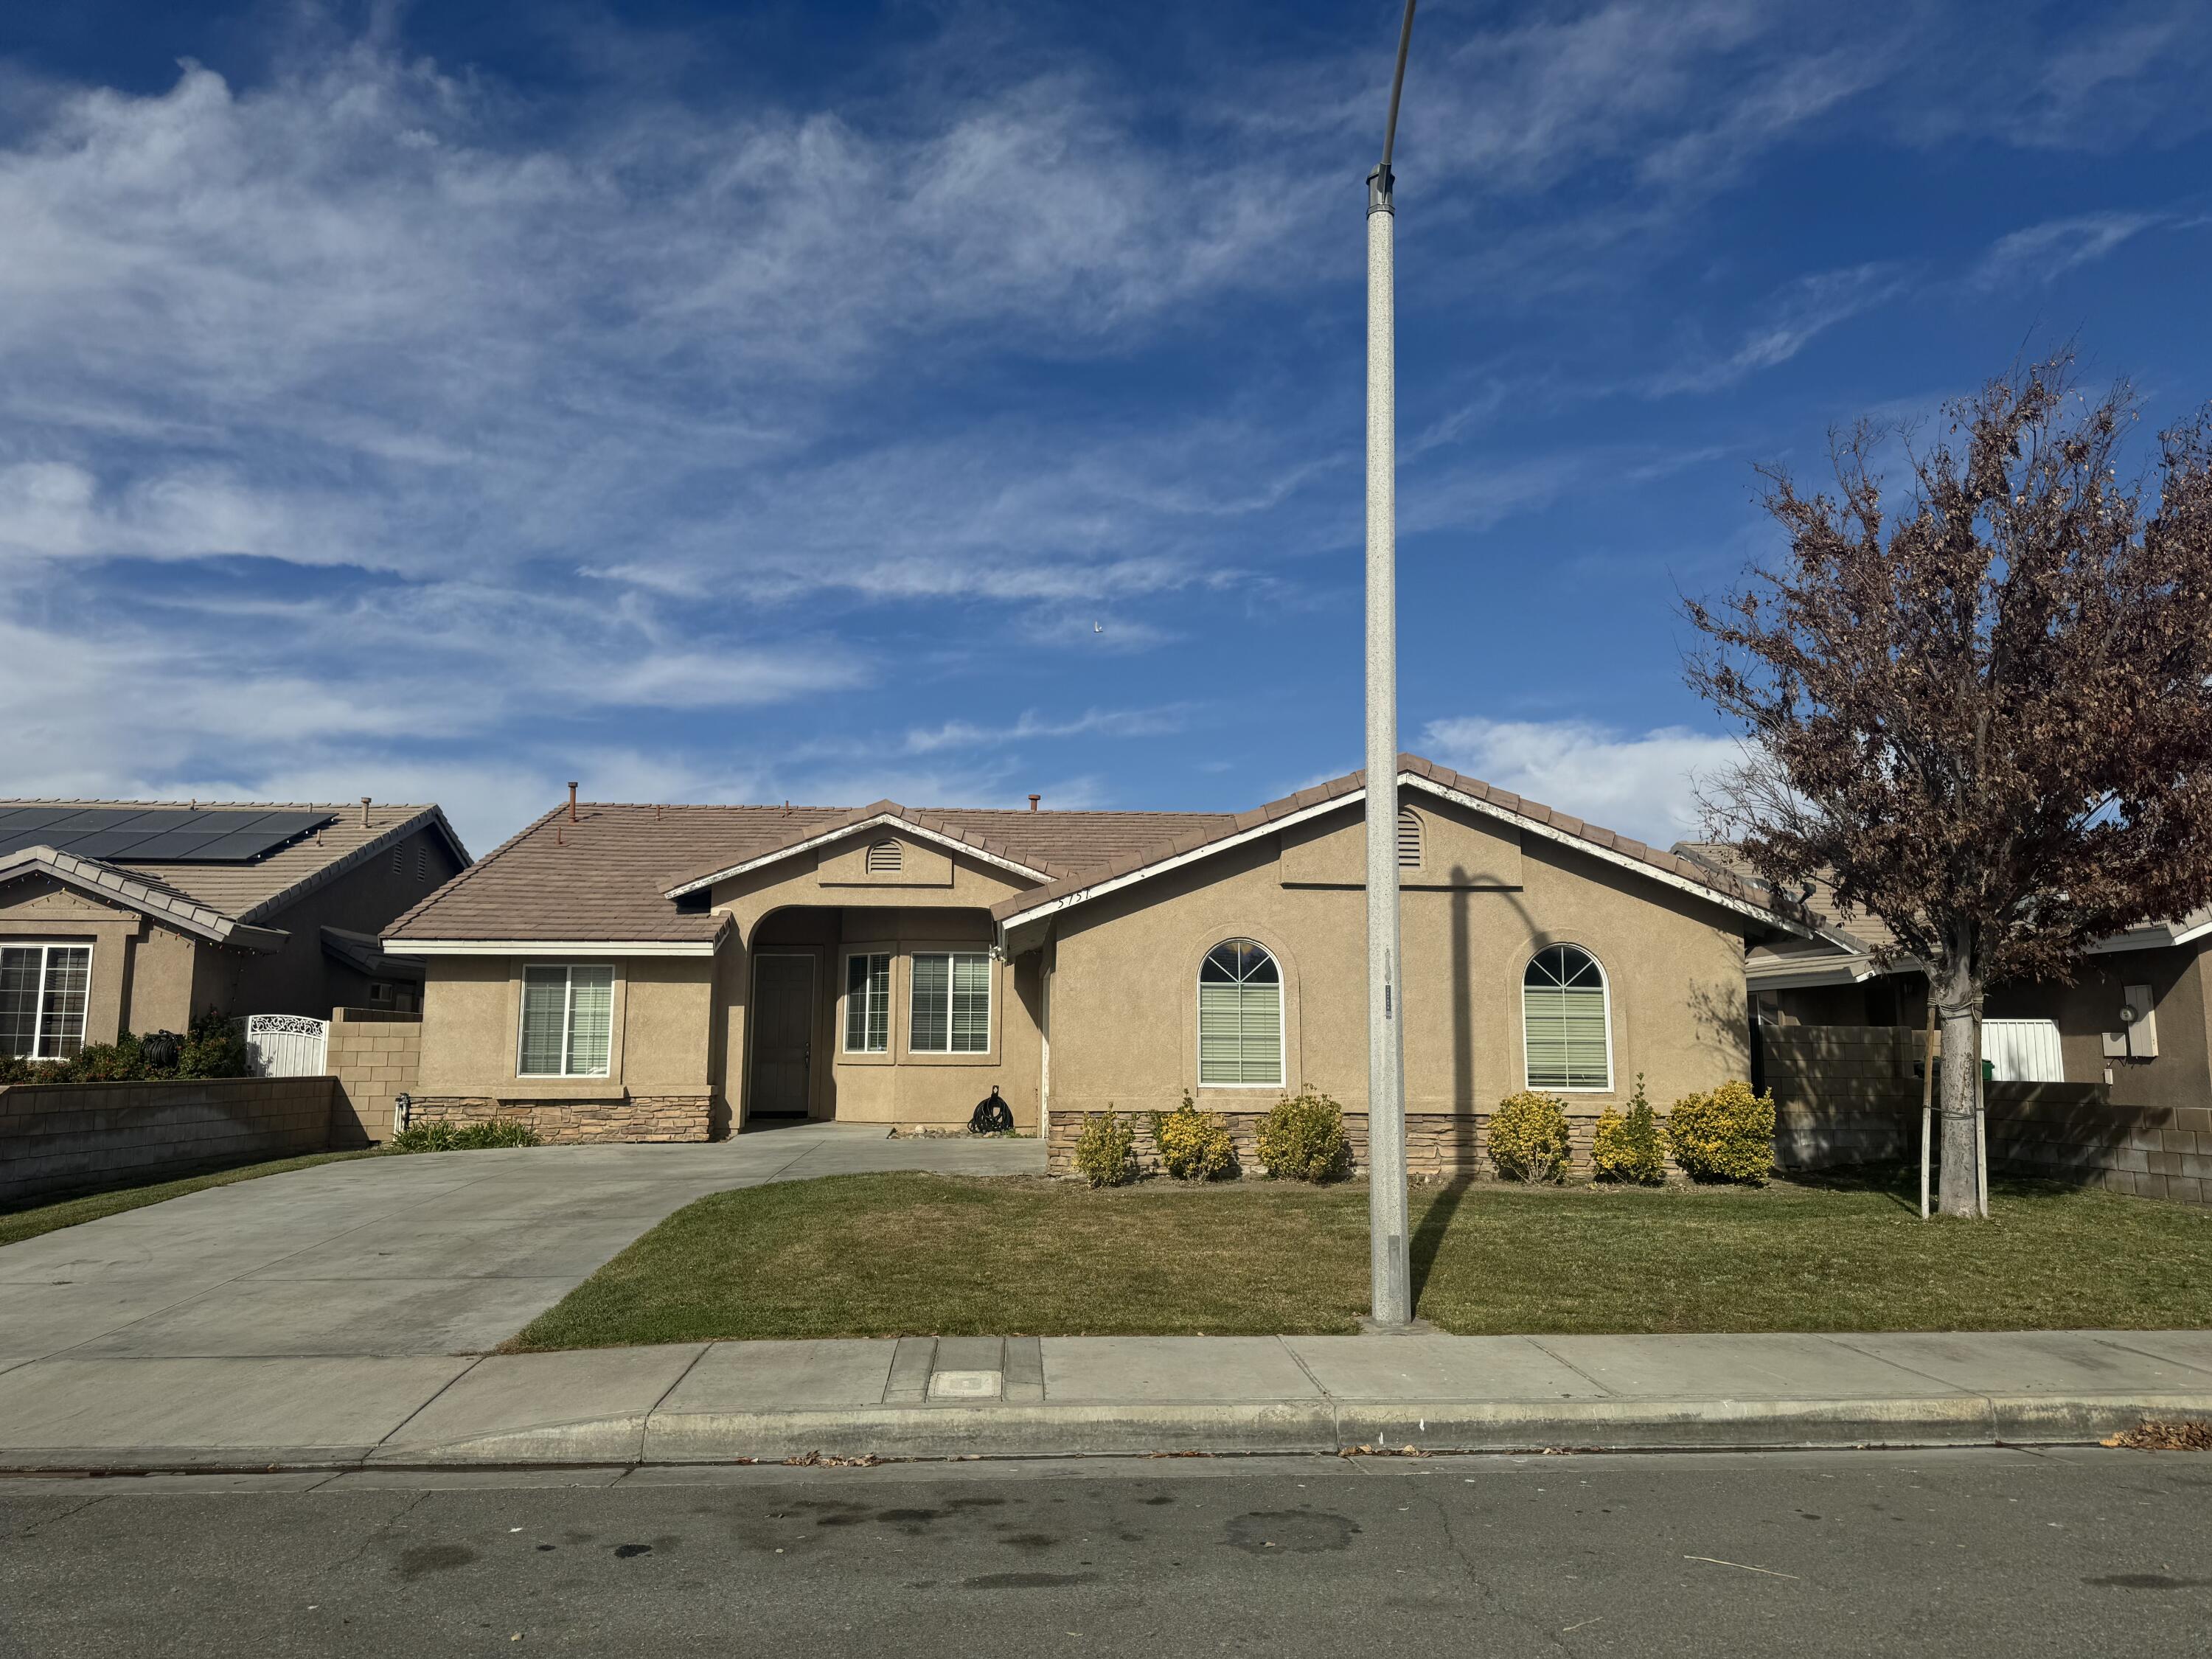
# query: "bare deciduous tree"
[1988,722]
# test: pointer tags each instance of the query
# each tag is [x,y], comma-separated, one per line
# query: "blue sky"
[949,401]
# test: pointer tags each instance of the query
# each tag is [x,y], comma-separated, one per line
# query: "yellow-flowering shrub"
[1105,1153]
[1725,1134]
[1529,1138]
[1194,1146]
[1302,1137]
[1629,1146]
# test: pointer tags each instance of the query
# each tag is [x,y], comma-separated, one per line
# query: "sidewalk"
[1023,1396]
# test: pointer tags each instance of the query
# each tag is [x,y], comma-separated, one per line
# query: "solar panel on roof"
[169,835]
[30,817]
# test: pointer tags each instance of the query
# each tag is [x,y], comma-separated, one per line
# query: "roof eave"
[1026,907]
[432,816]
[820,838]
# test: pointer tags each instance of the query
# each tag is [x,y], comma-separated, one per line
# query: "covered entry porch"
[895,1014]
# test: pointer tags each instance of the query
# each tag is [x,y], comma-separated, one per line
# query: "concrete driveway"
[438,1254]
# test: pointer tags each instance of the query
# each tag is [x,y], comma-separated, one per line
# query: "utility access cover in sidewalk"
[964,1385]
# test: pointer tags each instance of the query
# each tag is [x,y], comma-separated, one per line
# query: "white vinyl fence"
[288,1045]
[2023,1050]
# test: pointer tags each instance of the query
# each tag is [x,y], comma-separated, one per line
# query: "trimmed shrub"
[1194,1146]
[215,1047]
[1106,1150]
[1631,1147]
[1724,1134]
[440,1136]
[1302,1137]
[1529,1138]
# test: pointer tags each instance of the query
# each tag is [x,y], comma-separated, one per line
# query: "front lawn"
[922,1255]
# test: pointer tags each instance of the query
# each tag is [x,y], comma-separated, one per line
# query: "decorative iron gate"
[288,1045]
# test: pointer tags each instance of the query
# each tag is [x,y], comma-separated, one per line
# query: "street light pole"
[1386,1046]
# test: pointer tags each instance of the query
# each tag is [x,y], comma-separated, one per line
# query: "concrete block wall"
[376,1055]
[60,1137]
[2067,1131]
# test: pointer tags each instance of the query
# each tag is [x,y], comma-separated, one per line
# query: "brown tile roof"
[1854,930]
[609,875]
[1047,844]
[149,897]
[1722,884]
[256,890]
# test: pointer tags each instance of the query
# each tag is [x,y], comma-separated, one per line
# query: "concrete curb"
[1321,1427]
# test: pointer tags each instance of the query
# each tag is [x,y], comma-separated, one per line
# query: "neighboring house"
[665,972]
[141,915]
[2137,1016]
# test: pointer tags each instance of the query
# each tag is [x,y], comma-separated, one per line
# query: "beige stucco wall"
[300,977]
[1124,987]
[1122,975]
[145,977]
[826,903]
[151,977]
[471,1025]
[2181,1073]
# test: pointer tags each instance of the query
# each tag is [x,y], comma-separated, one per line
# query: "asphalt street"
[2063,1553]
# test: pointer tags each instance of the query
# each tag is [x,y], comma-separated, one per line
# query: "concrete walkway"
[927,1397]
[399,1258]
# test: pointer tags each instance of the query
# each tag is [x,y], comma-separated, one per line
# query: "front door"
[783,1034]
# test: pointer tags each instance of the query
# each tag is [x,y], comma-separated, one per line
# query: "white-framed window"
[44,991]
[949,1003]
[1409,839]
[1567,1025]
[1240,1017]
[568,1020]
[868,1002]
[884,857]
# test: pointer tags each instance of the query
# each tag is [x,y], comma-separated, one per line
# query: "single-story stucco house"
[2136,1018]
[644,972]
[143,915]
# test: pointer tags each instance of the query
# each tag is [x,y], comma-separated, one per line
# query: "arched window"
[1409,839]
[1565,1024]
[1240,1016]
[883,857]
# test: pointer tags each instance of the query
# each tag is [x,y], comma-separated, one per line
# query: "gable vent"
[1409,839]
[884,857]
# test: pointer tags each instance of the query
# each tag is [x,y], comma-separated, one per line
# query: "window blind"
[544,1019]
[591,1020]
[971,1005]
[568,1021]
[1240,1016]
[930,1027]
[1565,1020]
[867,1004]
[951,1009]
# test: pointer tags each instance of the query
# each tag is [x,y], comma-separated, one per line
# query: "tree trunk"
[1959,995]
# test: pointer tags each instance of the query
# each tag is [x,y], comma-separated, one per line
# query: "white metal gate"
[288,1045]
[2023,1051]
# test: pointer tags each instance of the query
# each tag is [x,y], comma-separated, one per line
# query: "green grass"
[45,1215]
[919,1255]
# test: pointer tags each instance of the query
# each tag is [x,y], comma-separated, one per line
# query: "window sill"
[562,1088]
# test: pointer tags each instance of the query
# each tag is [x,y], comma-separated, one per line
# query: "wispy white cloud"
[2044,252]
[1790,321]
[1098,722]
[1643,783]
